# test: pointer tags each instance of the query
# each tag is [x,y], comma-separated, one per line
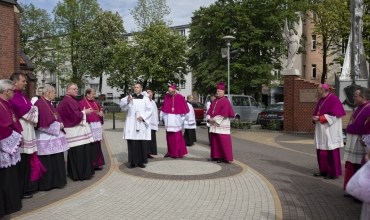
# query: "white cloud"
[181,11]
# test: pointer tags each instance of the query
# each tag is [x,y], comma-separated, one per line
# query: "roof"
[9,1]
[179,27]
[25,62]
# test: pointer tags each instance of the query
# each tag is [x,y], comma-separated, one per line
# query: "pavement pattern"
[270,178]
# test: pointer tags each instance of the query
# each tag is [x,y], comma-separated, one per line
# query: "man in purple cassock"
[218,116]
[354,152]
[173,112]
[30,167]
[95,121]
[78,135]
[328,133]
[10,139]
[51,142]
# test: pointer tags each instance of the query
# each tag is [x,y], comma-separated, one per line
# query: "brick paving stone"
[235,191]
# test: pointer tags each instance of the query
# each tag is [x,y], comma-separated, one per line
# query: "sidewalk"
[188,188]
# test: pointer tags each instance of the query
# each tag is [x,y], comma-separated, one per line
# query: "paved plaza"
[270,178]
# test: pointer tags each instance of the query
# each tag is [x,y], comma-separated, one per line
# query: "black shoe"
[98,168]
[328,177]
[320,174]
[165,156]
[150,156]
[211,159]
[131,165]
[141,165]
[356,200]
[27,196]
[347,195]
[219,161]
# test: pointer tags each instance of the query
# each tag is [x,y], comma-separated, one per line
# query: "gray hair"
[47,89]
[364,92]
[5,84]
[69,85]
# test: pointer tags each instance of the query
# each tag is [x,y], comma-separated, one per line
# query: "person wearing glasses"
[31,168]
[78,135]
[10,137]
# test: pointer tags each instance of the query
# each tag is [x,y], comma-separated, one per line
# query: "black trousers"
[137,151]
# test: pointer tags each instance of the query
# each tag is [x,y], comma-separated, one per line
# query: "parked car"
[244,106]
[55,103]
[108,106]
[262,106]
[199,112]
[272,112]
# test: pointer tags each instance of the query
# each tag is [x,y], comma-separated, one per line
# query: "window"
[313,43]
[237,101]
[314,16]
[313,71]
[276,72]
[96,87]
[182,32]
[344,47]
[253,102]
[245,101]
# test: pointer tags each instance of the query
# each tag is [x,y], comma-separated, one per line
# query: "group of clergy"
[329,137]
[177,114]
[34,137]
[142,124]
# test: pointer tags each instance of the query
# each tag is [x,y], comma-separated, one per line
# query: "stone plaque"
[308,95]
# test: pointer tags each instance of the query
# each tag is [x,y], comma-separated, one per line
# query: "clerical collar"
[137,96]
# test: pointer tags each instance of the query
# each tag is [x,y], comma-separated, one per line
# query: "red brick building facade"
[11,59]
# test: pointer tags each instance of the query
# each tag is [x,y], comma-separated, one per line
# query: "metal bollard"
[114,120]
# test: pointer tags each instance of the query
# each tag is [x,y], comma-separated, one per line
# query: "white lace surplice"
[9,150]
[51,140]
[329,136]
[96,130]
[28,121]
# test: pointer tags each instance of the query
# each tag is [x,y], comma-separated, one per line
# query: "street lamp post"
[179,69]
[228,39]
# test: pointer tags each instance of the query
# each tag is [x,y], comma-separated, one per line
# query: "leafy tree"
[366,28]
[71,18]
[161,50]
[151,58]
[35,26]
[332,27]
[257,27]
[122,69]
[150,11]
[153,53]
[96,46]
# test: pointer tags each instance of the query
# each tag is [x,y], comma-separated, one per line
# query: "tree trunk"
[324,56]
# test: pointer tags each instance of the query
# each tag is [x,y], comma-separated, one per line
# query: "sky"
[181,10]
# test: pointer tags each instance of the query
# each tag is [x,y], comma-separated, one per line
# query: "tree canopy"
[71,18]
[257,27]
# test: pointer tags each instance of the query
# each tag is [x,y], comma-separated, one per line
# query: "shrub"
[273,125]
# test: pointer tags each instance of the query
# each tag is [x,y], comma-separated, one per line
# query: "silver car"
[244,106]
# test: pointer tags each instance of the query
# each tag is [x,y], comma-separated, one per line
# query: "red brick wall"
[297,115]
[8,40]
[17,41]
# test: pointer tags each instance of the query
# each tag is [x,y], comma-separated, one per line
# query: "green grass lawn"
[117,115]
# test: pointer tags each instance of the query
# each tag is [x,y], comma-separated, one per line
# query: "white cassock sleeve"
[125,105]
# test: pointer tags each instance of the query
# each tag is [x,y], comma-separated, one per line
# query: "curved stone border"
[64,194]
[227,170]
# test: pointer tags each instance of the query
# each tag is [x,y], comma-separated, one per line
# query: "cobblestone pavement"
[270,178]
